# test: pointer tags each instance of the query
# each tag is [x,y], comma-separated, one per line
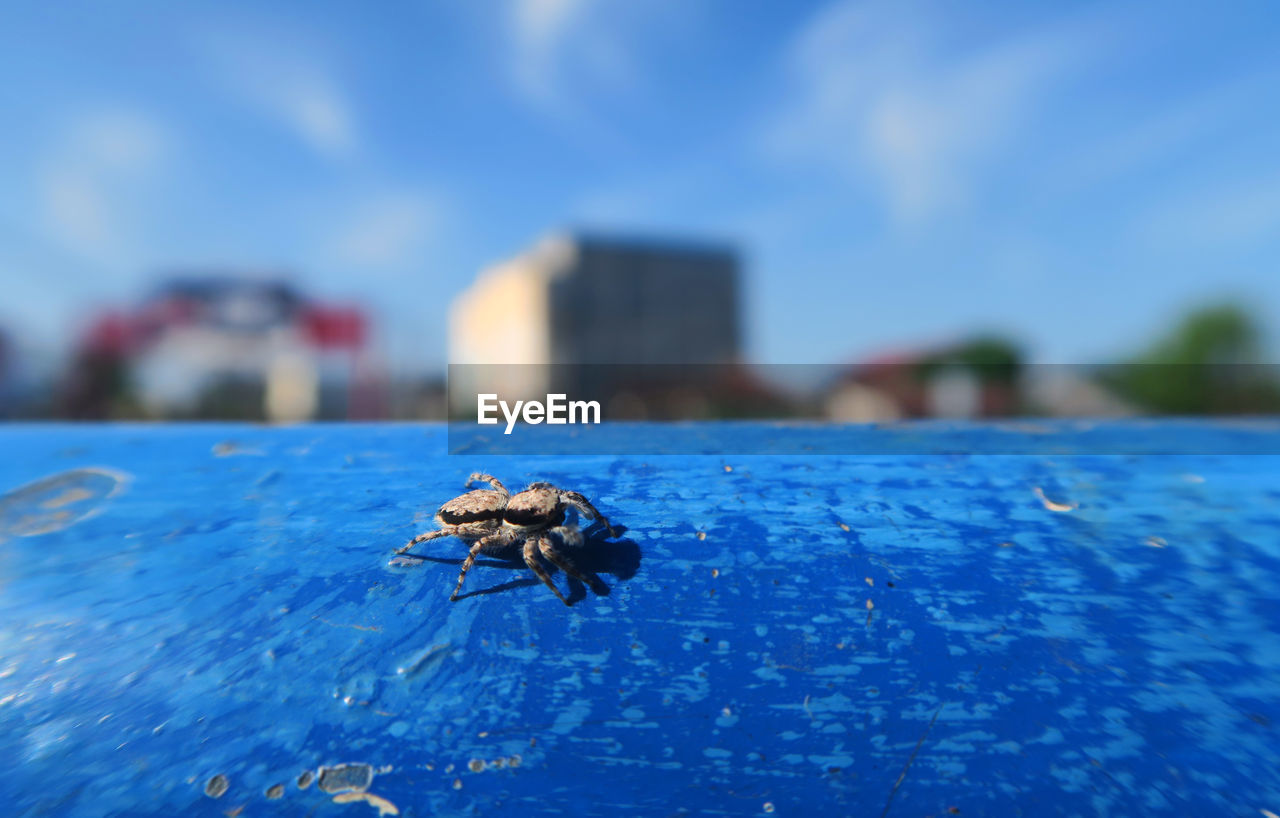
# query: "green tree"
[1211,362]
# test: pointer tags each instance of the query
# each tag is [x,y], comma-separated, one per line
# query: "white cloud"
[539,29]
[316,110]
[76,207]
[881,99]
[287,82]
[387,231]
[89,184]
[572,58]
[1149,137]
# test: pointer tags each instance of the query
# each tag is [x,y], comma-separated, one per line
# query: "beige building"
[586,304]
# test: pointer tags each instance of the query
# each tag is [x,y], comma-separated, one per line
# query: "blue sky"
[895,173]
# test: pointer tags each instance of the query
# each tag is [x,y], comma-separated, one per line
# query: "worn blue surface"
[845,635]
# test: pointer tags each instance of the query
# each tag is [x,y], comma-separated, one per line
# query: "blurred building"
[974,379]
[641,324]
[221,346]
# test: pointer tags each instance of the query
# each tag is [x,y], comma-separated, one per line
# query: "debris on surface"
[276,791]
[1156,542]
[702,535]
[422,658]
[305,779]
[343,777]
[227,448]
[1051,505]
[382,805]
[217,786]
[477,765]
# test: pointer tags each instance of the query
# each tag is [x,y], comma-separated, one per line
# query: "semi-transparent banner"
[895,407]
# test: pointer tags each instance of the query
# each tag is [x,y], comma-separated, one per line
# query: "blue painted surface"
[180,602]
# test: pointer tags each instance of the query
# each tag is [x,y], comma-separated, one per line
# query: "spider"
[492,520]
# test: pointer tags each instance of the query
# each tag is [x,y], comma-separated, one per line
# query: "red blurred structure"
[223,346]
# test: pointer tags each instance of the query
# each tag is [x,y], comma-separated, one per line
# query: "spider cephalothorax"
[493,520]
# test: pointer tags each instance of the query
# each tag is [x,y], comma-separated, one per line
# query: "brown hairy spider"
[492,520]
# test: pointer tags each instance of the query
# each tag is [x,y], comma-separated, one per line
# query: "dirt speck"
[305,779]
[275,792]
[457,783]
[845,526]
[702,535]
[475,765]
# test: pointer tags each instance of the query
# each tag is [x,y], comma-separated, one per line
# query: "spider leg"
[476,548]
[531,560]
[478,477]
[586,577]
[584,507]
[430,535]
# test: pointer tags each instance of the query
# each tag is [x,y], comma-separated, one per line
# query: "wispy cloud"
[539,29]
[1170,136]
[564,53]
[89,183]
[1240,213]
[288,82]
[881,98]
[387,231]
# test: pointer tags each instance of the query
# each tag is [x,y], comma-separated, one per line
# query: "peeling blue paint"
[218,600]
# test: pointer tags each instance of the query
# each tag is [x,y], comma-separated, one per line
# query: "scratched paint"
[237,616]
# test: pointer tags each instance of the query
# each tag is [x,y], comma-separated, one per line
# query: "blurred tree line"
[1211,363]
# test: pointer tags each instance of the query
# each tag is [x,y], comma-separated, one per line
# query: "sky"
[895,174]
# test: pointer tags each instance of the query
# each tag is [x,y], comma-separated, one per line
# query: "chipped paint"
[58,501]
[341,777]
[1078,671]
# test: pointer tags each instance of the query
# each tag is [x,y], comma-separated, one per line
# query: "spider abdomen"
[472,507]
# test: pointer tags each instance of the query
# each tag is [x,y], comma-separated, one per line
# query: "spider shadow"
[619,558]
